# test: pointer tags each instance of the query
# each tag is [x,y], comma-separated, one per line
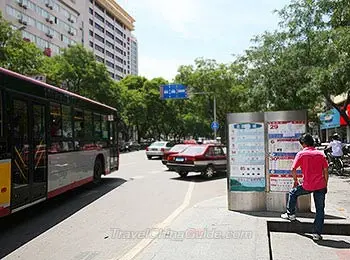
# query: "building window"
[99,17]
[110,35]
[91,11]
[119,32]
[91,44]
[119,50]
[100,59]
[109,54]
[99,48]
[110,64]
[109,44]
[119,41]
[99,27]
[91,22]
[99,38]
[110,25]
[91,33]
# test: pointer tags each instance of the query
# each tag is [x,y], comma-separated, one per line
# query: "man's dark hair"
[307,139]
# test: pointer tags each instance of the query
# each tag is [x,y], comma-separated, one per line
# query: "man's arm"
[295,178]
[325,175]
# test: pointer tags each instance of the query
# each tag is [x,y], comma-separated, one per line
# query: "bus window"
[1,118]
[97,126]
[56,120]
[104,127]
[88,125]
[67,122]
[78,123]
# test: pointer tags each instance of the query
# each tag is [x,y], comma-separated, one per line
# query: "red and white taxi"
[206,159]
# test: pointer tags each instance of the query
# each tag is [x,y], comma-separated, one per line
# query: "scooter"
[335,164]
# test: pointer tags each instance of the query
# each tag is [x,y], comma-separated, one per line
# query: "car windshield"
[194,150]
[158,144]
[178,148]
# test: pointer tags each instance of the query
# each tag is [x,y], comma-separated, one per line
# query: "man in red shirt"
[314,167]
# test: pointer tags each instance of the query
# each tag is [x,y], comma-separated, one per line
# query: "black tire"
[98,171]
[338,166]
[209,172]
[182,174]
[149,157]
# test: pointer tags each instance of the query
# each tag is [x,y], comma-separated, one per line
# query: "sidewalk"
[210,231]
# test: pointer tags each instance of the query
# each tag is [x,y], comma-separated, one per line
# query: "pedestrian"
[314,168]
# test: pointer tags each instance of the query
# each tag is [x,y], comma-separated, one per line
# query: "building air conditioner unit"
[22,21]
[49,19]
[23,4]
[71,32]
[49,34]
[70,19]
[49,5]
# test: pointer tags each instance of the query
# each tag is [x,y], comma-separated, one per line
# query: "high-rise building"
[50,24]
[134,63]
[102,26]
[107,32]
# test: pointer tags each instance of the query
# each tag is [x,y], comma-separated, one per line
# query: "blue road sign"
[173,91]
[214,125]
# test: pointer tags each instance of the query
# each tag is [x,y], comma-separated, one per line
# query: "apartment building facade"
[102,26]
[108,33]
[50,24]
[134,61]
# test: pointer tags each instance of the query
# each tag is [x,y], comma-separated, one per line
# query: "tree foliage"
[17,54]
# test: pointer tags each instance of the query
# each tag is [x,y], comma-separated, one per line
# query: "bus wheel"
[98,170]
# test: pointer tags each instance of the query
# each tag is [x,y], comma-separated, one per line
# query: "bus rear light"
[3,190]
[146,148]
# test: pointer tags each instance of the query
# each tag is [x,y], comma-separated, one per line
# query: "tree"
[77,70]
[17,54]
[303,63]
[205,80]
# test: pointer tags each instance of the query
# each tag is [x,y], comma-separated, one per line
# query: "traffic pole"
[214,116]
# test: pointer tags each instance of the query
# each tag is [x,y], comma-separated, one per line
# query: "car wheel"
[149,157]
[208,172]
[183,174]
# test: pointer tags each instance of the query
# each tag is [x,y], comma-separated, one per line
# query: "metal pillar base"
[277,202]
[247,201]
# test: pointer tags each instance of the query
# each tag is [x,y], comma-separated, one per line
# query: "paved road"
[82,224]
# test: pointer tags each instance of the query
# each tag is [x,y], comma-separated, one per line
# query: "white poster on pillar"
[283,145]
[247,156]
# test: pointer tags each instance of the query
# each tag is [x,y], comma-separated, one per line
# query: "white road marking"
[147,241]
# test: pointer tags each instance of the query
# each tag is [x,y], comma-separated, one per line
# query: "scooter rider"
[336,145]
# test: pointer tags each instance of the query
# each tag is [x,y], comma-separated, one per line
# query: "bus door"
[113,145]
[29,151]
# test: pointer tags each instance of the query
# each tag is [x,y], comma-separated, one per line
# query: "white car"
[158,148]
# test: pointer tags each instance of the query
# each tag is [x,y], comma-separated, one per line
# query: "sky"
[171,33]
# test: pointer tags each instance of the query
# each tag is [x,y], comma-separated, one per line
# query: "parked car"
[158,148]
[206,159]
[132,146]
[178,148]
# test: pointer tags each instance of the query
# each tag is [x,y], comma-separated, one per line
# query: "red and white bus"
[51,141]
